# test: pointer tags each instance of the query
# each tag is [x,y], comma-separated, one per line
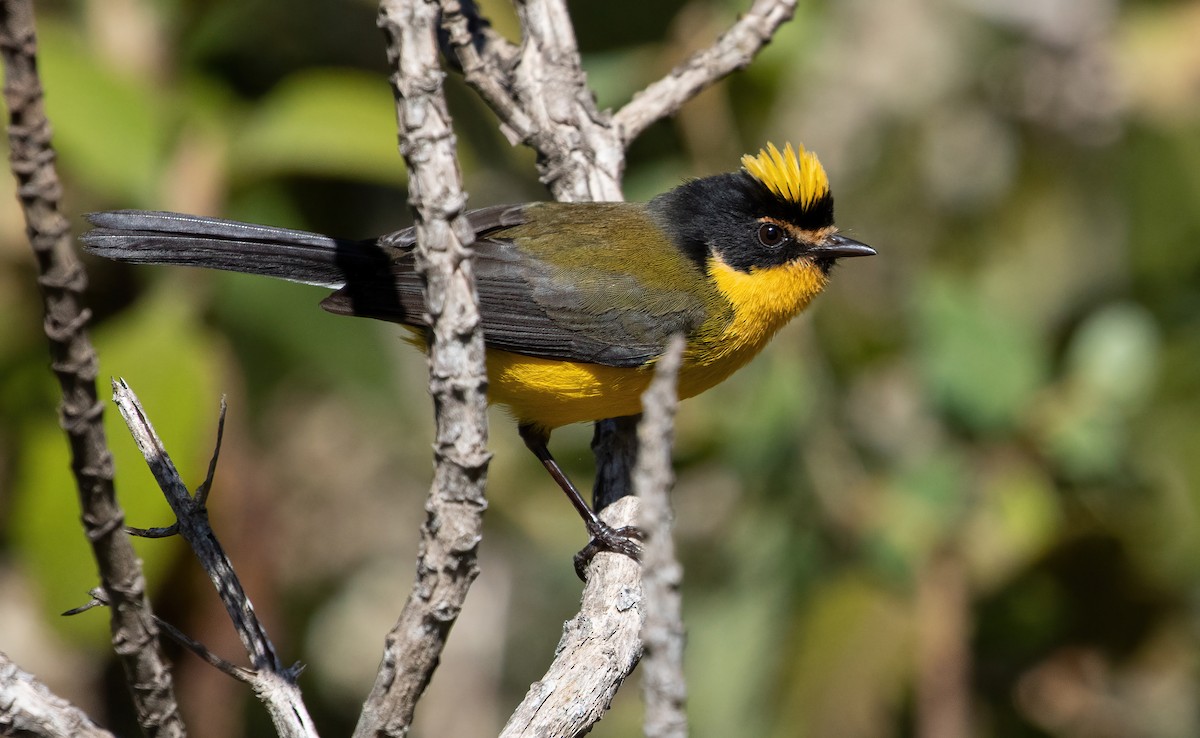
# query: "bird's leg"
[604,536]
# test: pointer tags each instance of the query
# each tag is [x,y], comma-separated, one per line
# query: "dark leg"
[604,536]
[614,443]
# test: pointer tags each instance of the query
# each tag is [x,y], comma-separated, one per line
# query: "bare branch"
[29,708]
[62,279]
[734,50]
[486,60]
[598,649]
[273,683]
[452,530]
[579,154]
[663,682]
[240,673]
[160,532]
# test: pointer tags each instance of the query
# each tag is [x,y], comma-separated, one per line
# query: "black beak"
[838,246]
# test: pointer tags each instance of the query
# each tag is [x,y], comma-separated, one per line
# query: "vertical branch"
[579,154]
[580,157]
[450,535]
[62,279]
[663,683]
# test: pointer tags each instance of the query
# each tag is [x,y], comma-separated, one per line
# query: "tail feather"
[152,237]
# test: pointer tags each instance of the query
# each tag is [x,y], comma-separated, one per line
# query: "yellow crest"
[795,177]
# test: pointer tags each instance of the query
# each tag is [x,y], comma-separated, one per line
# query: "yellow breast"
[551,393]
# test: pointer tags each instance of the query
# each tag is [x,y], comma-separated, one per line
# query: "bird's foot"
[625,540]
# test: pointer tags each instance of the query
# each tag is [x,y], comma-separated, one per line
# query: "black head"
[776,210]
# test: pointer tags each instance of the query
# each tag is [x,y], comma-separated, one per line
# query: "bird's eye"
[770,234]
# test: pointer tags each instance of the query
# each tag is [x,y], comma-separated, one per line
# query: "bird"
[577,300]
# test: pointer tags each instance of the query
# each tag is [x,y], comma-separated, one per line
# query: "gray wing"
[595,311]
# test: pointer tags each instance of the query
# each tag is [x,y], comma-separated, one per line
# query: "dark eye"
[770,234]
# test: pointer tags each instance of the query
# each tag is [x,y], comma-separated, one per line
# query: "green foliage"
[111,130]
[980,364]
[173,365]
[300,129]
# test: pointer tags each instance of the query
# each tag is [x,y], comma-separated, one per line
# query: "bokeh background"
[958,497]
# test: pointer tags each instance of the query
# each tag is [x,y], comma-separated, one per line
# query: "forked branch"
[273,683]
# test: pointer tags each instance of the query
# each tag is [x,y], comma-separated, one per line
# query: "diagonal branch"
[62,279]
[273,683]
[598,649]
[447,563]
[29,708]
[192,524]
[734,50]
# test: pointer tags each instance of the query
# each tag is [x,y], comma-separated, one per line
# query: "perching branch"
[273,683]
[446,563]
[29,708]
[598,649]
[62,279]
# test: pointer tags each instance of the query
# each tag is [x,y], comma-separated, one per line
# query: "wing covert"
[558,288]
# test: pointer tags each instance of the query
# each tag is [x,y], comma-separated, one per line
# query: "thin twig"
[98,599]
[160,532]
[274,683]
[63,280]
[447,558]
[663,682]
[734,50]
[240,673]
[200,500]
[205,486]
[28,708]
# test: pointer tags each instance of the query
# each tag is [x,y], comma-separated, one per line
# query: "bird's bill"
[838,246]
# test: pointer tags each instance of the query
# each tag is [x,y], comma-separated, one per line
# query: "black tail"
[151,237]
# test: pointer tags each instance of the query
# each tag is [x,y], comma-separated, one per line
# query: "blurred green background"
[958,497]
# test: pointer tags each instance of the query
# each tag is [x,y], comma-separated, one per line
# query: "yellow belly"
[550,393]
